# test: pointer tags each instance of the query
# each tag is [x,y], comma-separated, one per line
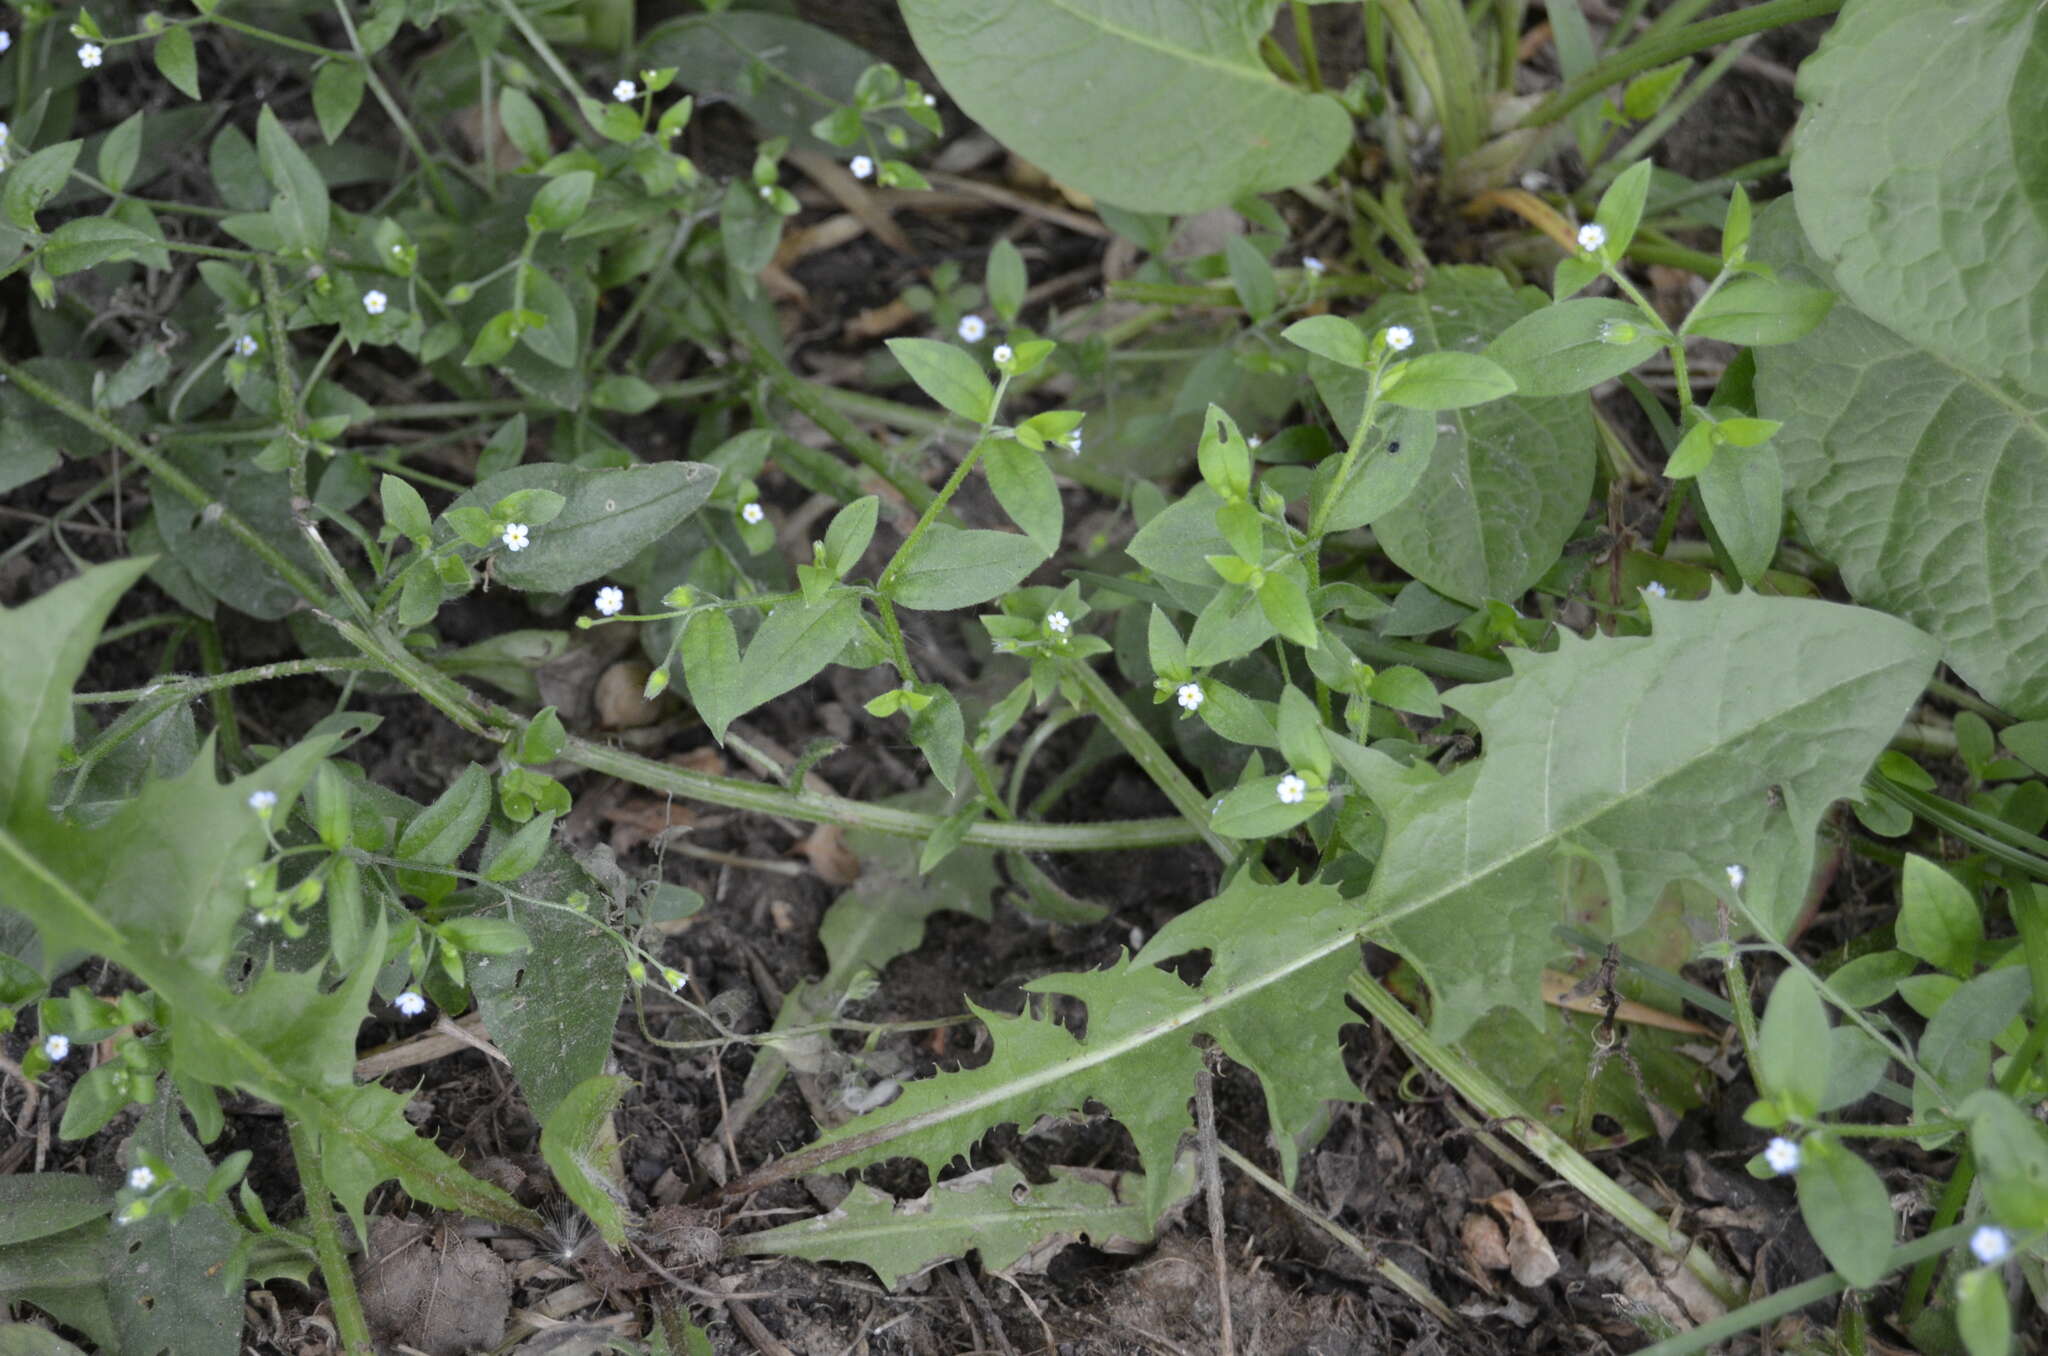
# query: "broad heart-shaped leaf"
[1652,756]
[1921,170]
[996,1212]
[167,1270]
[1507,481]
[1053,80]
[1923,480]
[610,517]
[1272,997]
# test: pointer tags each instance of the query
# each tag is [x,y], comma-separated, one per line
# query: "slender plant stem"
[349,1319]
[187,688]
[1667,47]
[428,166]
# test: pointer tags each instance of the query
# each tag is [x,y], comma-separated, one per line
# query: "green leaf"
[2012,1155]
[1586,756]
[796,642]
[1646,95]
[1231,625]
[89,241]
[710,652]
[1179,540]
[175,1261]
[552,1008]
[365,1139]
[1448,381]
[1006,280]
[177,60]
[1983,1320]
[1621,206]
[31,183]
[1391,464]
[1258,1000]
[549,326]
[1752,310]
[1024,487]
[1223,456]
[851,529]
[520,853]
[948,375]
[1735,229]
[940,733]
[1331,337]
[1252,277]
[1922,179]
[1891,456]
[41,1204]
[119,152]
[608,518]
[2028,742]
[1507,482]
[1574,345]
[1301,733]
[1407,689]
[438,834]
[1847,1210]
[525,126]
[953,567]
[404,511]
[625,393]
[1284,599]
[582,1150]
[561,202]
[1046,77]
[1938,919]
[300,205]
[995,1212]
[337,94]
[1744,493]
[1792,1045]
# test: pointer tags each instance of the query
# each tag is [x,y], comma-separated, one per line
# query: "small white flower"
[1190,696]
[263,802]
[55,1048]
[1592,237]
[675,979]
[1736,875]
[515,537]
[246,346]
[1655,589]
[89,55]
[625,91]
[3,126]
[1400,337]
[1292,790]
[1058,622]
[1991,1245]
[1313,266]
[931,101]
[861,166]
[1782,1155]
[409,1003]
[6,41]
[972,328]
[767,193]
[374,301]
[1074,442]
[1252,441]
[611,600]
[141,1179]
[1003,354]
[752,512]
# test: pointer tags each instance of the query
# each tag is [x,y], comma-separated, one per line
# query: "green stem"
[1668,47]
[1305,38]
[813,808]
[1497,1104]
[930,514]
[349,1318]
[1097,697]
[187,688]
[215,660]
[428,166]
[265,35]
[1349,465]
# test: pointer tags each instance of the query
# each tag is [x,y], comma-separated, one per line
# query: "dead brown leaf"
[1530,1260]
[621,704]
[1486,1248]
[829,855]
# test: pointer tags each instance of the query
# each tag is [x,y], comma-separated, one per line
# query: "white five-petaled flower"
[1654,589]
[263,802]
[1400,337]
[374,301]
[245,347]
[409,1003]
[6,40]
[1782,1155]
[1252,441]
[1058,622]
[55,1048]
[611,600]
[1190,696]
[89,55]
[1990,1245]
[1292,790]
[752,512]
[516,537]
[931,101]
[625,91]
[767,193]
[141,1179]
[1736,875]
[972,328]
[1003,354]
[861,166]
[1074,442]
[675,979]
[1312,265]
[1592,236]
